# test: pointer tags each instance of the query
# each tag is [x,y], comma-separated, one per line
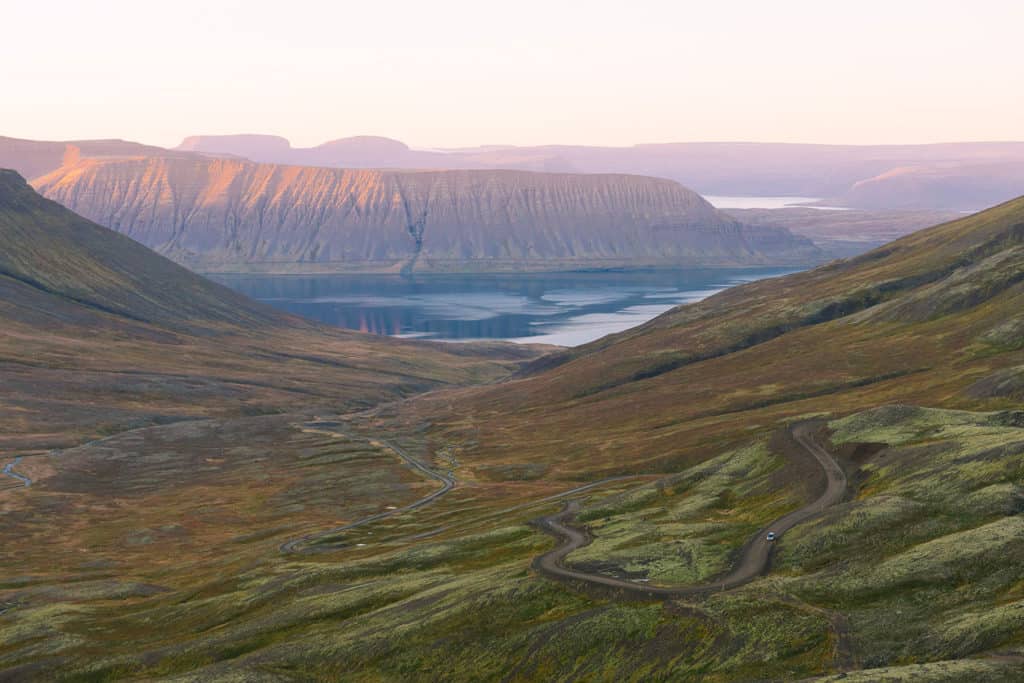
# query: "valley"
[282,511]
[413,342]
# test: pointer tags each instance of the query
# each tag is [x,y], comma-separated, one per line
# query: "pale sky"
[466,72]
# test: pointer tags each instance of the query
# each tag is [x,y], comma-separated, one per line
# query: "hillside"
[100,334]
[909,360]
[231,215]
[916,311]
[82,265]
[961,176]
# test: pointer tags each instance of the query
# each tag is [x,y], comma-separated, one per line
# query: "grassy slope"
[915,578]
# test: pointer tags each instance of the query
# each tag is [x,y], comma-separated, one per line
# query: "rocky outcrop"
[232,215]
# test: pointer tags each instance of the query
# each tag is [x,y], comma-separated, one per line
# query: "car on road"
[771,536]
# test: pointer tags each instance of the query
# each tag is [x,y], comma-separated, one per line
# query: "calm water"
[724,202]
[562,308]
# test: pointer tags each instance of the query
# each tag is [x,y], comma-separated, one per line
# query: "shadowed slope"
[100,334]
[58,253]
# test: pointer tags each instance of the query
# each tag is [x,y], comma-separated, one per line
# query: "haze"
[458,73]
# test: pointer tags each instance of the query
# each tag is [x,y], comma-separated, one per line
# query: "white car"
[771,536]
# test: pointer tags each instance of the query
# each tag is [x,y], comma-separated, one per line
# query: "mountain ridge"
[985,172]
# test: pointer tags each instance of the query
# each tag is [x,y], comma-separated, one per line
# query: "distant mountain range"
[958,176]
[254,203]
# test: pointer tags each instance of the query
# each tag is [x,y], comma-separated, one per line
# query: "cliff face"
[232,215]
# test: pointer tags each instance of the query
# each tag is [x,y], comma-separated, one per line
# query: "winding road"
[754,555]
[9,471]
[447,484]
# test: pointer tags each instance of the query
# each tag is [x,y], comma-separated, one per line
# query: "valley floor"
[913,577]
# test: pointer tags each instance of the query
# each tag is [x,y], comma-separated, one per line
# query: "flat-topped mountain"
[220,214]
[33,158]
[361,151]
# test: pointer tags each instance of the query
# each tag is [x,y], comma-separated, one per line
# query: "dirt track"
[754,555]
[447,484]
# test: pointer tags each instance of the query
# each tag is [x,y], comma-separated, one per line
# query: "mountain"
[966,185]
[974,175]
[99,333]
[233,215]
[365,151]
[952,176]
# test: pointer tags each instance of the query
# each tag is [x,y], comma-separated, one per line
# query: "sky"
[450,73]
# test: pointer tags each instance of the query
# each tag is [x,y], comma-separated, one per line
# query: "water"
[566,309]
[724,202]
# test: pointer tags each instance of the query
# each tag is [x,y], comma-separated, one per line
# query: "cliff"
[234,215]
